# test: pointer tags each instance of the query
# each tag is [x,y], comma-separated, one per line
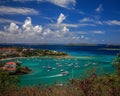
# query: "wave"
[58,75]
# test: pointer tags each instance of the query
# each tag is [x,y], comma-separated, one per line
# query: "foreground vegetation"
[108,85]
[104,86]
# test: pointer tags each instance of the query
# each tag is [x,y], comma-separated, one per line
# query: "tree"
[116,64]
[8,82]
[19,49]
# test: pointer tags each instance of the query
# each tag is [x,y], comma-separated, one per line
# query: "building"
[10,66]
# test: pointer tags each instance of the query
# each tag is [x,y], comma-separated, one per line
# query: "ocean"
[49,70]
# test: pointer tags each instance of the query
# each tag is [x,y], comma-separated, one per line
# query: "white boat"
[65,73]
[77,66]
[69,65]
[49,67]
[93,63]
[62,70]
[53,68]
[59,65]
[86,65]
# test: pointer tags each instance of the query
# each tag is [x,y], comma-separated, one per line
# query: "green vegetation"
[116,64]
[94,85]
[12,52]
[7,83]
[29,53]
[22,70]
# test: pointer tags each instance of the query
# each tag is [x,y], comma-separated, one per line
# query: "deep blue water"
[66,48]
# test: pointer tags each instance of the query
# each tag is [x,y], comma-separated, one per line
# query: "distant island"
[87,44]
[81,44]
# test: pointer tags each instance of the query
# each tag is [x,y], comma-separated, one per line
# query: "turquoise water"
[41,74]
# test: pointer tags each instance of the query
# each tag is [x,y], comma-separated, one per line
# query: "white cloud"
[98,32]
[64,24]
[3,20]
[99,9]
[61,18]
[70,25]
[38,29]
[54,26]
[82,36]
[27,26]
[89,21]
[17,10]
[65,29]
[86,19]
[80,32]
[13,28]
[62,3]
[28,33]
[112,22]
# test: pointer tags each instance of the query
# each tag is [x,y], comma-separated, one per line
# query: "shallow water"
[86,61]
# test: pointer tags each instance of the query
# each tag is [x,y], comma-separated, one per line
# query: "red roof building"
[11,63]
[9,66]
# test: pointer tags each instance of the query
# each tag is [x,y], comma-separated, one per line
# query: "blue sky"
[60,21]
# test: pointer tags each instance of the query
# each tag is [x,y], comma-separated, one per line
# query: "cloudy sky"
[60,21]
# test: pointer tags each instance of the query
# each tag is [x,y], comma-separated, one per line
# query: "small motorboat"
[49,67]
[53,68]
[62,70]
[77,66]
[69,65]
[65,73]
[86,65]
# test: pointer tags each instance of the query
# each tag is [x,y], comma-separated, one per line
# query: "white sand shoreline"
[39,57]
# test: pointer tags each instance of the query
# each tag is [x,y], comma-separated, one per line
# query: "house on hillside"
[10,66]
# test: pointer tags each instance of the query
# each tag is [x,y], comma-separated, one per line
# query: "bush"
[8,82]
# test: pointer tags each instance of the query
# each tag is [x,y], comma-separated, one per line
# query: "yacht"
[62,70]
[53,68]
[59,65]
[86,65]
[77,66]
[93,63]
[49,67]
[69,65]
[65,73]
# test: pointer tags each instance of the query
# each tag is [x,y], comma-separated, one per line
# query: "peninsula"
[15,67]
[12,52]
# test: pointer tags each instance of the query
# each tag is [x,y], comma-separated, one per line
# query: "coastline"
[110,49]
[39,57]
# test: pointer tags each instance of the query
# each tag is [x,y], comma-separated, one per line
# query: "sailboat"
[77,66]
